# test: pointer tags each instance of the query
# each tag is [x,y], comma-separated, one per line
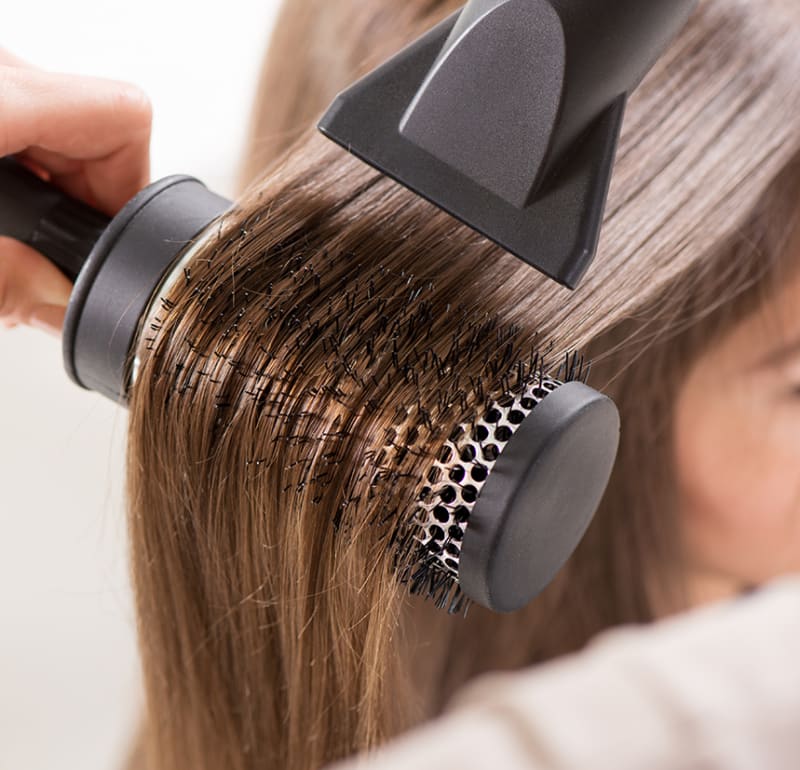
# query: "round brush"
[511,494]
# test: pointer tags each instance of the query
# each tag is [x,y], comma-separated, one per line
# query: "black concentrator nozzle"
[507,115]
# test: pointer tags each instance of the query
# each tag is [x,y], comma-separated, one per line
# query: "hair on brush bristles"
[370,347]
[365,349]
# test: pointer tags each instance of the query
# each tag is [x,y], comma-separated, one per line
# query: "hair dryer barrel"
[610,47]
[518,81]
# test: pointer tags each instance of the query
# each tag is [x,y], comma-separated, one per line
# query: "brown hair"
[335,328]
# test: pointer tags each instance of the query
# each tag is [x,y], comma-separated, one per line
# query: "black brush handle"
[37,213]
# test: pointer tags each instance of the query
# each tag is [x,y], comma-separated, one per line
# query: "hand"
[90,137]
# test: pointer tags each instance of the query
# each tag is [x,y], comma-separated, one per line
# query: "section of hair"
[317,49]
[335,314]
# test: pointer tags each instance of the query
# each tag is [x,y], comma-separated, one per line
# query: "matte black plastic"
[507,115]
[121,274]
[38,213]
[116,263]
[539,498]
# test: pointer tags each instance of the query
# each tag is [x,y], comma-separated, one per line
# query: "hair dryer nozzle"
[507,116]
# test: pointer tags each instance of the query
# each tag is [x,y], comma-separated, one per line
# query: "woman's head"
[737,450]
[333,332]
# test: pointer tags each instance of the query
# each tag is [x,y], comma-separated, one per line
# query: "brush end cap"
[539,498]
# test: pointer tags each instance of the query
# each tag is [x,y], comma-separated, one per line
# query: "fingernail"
[48,318]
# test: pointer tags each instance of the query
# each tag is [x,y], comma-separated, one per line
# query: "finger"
[75,177]
[50,162]
[82,118]
[28,281]
[87,180]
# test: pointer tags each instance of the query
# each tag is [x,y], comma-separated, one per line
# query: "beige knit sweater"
[716,689]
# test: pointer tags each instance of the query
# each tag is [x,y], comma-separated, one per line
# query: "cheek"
[738,470]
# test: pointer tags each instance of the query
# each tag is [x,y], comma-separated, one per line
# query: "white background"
[69,692]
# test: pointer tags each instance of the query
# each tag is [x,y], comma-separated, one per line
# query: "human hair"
[335,328]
